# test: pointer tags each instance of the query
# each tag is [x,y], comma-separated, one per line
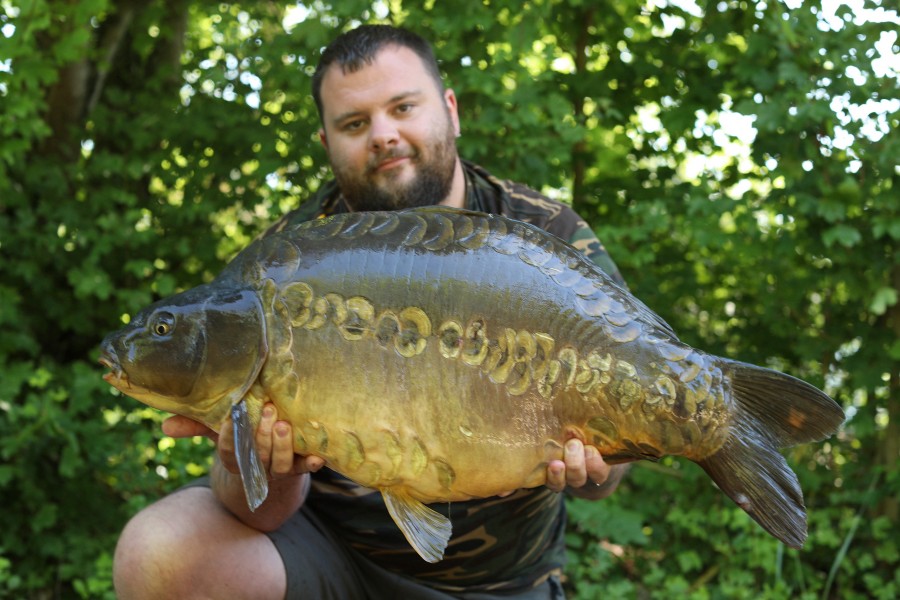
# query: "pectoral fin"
[426,530]
[253,474]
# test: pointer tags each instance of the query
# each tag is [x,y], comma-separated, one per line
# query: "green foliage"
[141,145]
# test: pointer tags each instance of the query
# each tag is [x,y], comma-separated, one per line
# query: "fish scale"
[410,349]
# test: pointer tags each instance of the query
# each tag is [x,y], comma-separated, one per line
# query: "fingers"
[310,464]
[225,447]
[274,446]
[283,462]
[556,475]
[580,466]
[574,456]
[178,426]
[570,471]
[597,469]
[264,441]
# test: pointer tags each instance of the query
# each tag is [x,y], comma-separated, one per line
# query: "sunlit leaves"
[739,162]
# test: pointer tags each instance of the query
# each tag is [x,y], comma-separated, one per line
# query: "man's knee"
[154,555]
[188,544]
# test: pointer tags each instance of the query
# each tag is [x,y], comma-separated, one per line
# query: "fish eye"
[162,324]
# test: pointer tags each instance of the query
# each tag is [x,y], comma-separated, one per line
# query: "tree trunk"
[579,149]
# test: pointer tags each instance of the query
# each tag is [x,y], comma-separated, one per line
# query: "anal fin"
[426,530]
[253,474]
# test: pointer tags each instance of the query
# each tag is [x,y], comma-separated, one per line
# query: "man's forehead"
[400,61]
[389,48]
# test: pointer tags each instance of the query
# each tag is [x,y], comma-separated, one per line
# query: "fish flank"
[510,357]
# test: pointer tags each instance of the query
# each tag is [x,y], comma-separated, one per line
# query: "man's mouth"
[389,162]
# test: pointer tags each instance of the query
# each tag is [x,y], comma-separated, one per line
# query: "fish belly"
[444,433]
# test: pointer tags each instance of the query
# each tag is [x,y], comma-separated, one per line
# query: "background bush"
[143,143]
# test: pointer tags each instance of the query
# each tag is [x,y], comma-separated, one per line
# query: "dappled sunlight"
[738,160]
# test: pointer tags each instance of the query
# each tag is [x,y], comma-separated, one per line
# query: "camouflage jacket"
[498,544]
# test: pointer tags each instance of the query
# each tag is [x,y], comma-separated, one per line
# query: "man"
[389,128]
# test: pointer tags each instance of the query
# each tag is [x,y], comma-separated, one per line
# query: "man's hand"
[288,482]
[177,426]
[274,444]
[581,464]
[583,472]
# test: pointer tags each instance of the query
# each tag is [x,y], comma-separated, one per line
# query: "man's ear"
[452,110]
[323,138]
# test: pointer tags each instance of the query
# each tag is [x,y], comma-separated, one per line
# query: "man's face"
[389,132]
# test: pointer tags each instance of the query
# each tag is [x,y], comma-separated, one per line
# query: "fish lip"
[116,376]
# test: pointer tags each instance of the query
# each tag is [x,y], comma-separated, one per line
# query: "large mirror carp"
[440,355]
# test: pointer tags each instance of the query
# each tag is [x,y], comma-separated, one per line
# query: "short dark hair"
[358,47]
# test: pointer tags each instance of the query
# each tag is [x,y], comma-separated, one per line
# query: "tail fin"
[773,411]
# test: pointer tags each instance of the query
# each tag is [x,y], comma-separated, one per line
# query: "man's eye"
[353,125]
[405,108]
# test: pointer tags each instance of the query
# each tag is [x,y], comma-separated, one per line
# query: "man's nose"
[383,134]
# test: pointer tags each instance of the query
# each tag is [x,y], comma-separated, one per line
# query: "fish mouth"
[116,377]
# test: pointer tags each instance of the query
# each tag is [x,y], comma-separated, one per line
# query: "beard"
[429,185]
